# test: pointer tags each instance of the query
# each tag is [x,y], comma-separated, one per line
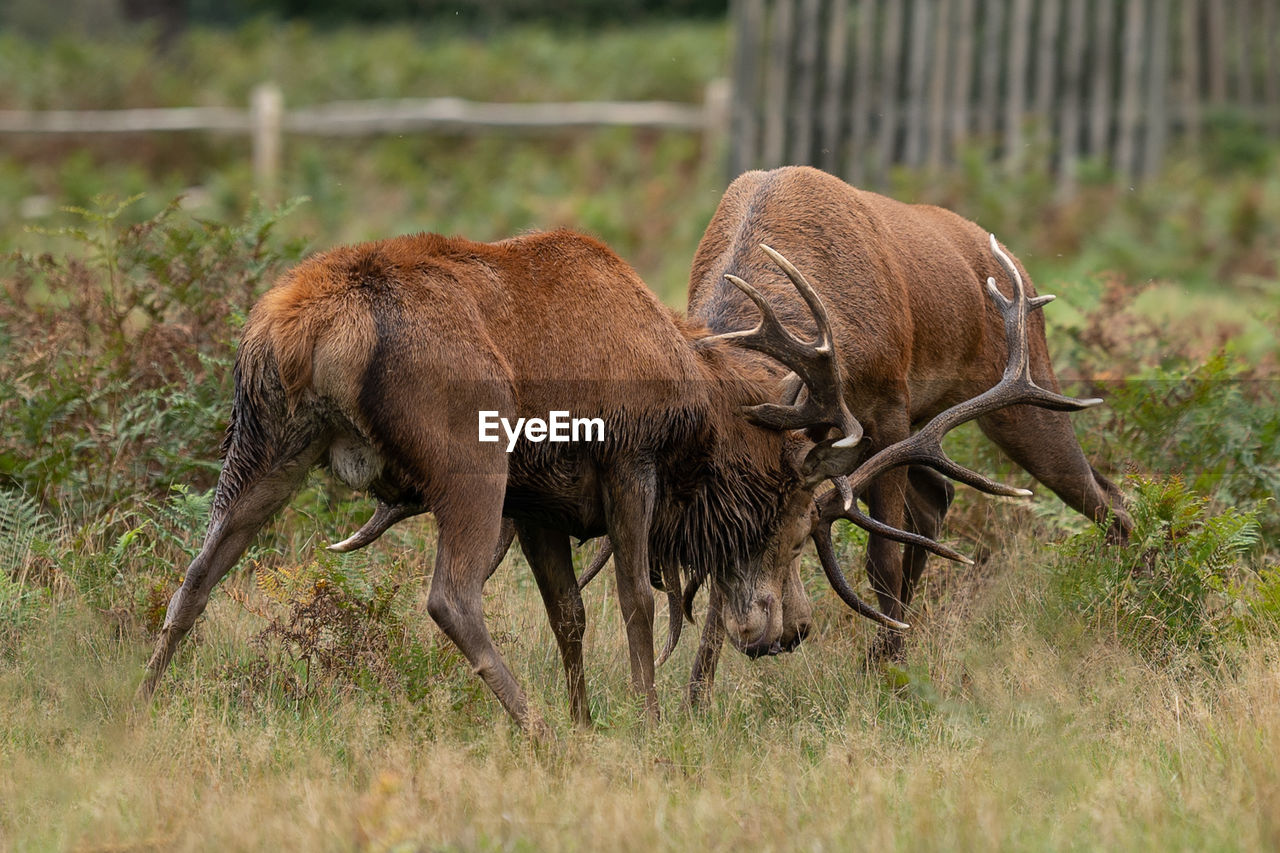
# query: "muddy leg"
[230,532]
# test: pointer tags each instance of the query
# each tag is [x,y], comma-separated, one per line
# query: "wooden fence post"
[266,108]
[749,35]
[718,110]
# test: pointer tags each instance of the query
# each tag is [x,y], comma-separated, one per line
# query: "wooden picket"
[860,86]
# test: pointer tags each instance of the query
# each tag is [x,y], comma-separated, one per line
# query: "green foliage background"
[1127,691]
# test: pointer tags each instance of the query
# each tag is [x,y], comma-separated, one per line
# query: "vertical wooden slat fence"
[861,86]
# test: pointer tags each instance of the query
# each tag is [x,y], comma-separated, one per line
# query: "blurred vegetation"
[645,193]
[168,18]
[1128,691]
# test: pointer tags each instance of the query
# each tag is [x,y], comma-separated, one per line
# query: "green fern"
[23,531]
[1178,583]
[22,526]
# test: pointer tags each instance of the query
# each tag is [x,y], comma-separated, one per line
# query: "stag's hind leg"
[231,529]
[549,557]
[506,535]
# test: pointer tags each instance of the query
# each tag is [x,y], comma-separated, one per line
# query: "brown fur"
[904,288]
[380,355]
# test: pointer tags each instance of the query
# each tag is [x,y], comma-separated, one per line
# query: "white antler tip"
[1023,493]
[848,441]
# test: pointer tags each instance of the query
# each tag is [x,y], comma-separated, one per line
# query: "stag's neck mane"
[722,499]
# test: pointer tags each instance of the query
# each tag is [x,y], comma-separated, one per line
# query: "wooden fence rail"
[859,86]
[266,119]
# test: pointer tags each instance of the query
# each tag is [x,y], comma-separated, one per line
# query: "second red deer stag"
[904,287]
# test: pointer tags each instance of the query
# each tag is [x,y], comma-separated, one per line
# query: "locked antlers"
[818,367]
[1016,387]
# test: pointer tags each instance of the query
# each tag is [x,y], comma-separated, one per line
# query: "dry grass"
[1008,727]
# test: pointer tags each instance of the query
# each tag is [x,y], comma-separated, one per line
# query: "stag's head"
[767,610]
[765,607]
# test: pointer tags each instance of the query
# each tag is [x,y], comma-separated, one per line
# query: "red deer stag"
[903,285]
[378,359]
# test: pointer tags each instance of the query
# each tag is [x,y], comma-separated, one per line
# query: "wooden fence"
[266,120]
[859,86]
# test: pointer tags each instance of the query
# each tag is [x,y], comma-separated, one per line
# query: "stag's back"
[530,310]
[903,282]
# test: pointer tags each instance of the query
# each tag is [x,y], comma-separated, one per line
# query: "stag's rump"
[393,350]
[904,282]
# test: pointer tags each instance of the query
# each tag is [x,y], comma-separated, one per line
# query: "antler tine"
[808,294]
[831,508]
[1015,312]
[814,361]
[383,518]
[1016,387]
[831,566]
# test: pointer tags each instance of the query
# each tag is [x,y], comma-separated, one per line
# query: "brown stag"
[903,285]
[376,360]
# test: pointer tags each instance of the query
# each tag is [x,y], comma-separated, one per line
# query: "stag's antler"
[815,362]
[383,518]
[818,367]
[1016,387]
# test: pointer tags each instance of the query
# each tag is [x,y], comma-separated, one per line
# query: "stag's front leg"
[929,496]
[703,675]
[629,506]
[548,554]
[886,498]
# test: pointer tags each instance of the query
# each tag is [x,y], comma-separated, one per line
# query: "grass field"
[1059,695]
[1009,726]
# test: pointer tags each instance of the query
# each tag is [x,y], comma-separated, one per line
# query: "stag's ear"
[793,389]
[829,459]
[780,414]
